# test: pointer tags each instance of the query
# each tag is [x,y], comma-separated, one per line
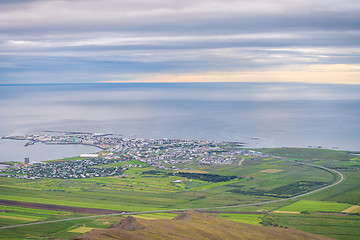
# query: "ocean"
[258,114]
[14,150]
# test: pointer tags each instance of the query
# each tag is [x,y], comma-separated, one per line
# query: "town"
[158,153]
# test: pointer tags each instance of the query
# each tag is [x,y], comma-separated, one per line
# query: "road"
[185,209]
[241,161]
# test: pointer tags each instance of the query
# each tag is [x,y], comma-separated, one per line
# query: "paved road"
[185,209]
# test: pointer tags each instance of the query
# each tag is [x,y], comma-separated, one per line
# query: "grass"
[10,215]
[31,210]
[137,192]
[346,192]
[56,230]
[253,219]
[271,170]
[19,218]
[193,171]
[352,209]
[66,159]
[343,227]
[315,206]
[308,153]
[214,185]
[82,230]
[137,162]
[152,216]
[198,226]
[24,215]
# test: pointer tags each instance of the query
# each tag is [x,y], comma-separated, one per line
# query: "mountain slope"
[193,225]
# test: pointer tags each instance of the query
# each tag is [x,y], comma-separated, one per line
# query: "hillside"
[192,225]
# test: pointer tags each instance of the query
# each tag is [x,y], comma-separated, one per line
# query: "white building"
[87,155]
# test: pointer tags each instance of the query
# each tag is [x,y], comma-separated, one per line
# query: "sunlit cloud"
[333,74]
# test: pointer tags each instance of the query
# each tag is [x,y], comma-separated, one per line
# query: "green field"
[10,214]
[254,219]
[315,206]
[260,179]
[152,216]
[345,227]
[5,208]
[66,159]
[57,230]
[138,192]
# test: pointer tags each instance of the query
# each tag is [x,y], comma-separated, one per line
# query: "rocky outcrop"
[128,224]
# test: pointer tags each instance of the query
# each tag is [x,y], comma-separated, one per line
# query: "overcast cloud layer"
[166,40]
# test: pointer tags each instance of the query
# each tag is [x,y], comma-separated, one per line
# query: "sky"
[86,41]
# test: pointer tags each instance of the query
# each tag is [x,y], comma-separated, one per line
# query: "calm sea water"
[14,150]
[262,115]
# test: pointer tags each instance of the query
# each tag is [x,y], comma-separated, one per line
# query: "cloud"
[84,37]
[109,14]
[334,74]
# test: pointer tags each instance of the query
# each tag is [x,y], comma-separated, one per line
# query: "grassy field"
[61,230]
[315,206]
[5,208]
[19,218]
[151,216]
[82,230]
[254,219]
[346,192]
[352,209]
[142,192]
[308,153]
[260,179]
[344,227]
[10,215]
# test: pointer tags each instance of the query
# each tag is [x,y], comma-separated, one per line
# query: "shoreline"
[243,144]
[10,159]
[31,142]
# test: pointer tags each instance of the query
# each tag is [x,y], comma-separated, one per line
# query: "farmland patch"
[315,206]
[271,170]
[352,209]
[19,218]
[82,229]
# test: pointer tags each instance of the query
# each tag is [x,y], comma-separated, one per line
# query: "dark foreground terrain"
[192,225]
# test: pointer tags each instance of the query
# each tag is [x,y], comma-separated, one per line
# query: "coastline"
[18,148]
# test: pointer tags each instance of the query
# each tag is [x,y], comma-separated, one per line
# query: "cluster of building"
[159,153]
[167,152]
[84,168]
